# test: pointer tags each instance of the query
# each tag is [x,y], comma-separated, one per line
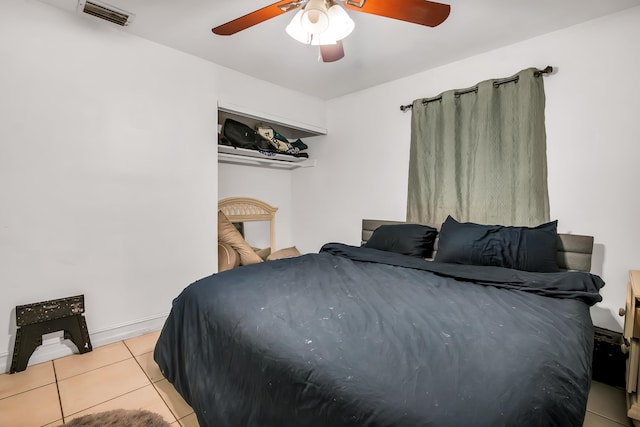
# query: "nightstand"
[631,333]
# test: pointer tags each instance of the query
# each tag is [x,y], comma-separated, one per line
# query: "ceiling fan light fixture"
[340,24]
[296,31]
[315,17]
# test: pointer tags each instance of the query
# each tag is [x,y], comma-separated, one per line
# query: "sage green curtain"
[479,154]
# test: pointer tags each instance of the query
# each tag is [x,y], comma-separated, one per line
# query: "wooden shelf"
[290,129]
[242,156]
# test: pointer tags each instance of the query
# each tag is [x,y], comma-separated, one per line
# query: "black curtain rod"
[548,69]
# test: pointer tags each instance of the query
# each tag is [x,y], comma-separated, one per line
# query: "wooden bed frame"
[574,251]
[241,209]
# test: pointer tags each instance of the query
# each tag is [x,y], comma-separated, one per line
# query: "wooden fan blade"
[420,12]
[256,17]
[332,52]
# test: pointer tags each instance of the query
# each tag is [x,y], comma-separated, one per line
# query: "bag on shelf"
[280,143]
[240,135]
[299,144]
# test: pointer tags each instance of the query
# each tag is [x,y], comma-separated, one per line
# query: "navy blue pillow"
[407,239]
[521,248]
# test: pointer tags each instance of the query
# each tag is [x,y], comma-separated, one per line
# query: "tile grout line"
[55,377]
[185,417]
[153,384]
[24,391]
[115,397]
[143,371]
[128,349]
[607,414]
[164,401]
[607,417]
[94,369]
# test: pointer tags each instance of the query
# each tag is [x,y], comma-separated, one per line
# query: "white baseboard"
[54,347]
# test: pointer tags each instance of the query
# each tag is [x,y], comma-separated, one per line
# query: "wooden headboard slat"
[241,209]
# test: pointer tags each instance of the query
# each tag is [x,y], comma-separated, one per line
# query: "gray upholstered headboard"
[574,251]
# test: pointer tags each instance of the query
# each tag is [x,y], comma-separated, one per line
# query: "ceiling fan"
[325,23]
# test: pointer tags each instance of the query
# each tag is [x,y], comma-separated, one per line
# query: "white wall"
[592,136]
[269,185]
[109,180]
[108,167]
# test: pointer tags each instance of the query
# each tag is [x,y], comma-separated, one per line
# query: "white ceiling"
[379,50]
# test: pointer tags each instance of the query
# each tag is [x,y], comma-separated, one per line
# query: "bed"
[372,335]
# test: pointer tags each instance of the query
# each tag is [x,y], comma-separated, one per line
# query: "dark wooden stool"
[37,319]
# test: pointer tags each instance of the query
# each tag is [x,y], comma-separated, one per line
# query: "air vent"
[106,12]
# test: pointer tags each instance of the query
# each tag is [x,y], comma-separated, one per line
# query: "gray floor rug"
[119,418]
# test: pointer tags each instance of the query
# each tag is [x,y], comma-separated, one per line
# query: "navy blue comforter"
[359,337]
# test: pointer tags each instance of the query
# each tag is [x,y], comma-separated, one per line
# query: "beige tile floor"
[119,375]
[124,375]
[606,407]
